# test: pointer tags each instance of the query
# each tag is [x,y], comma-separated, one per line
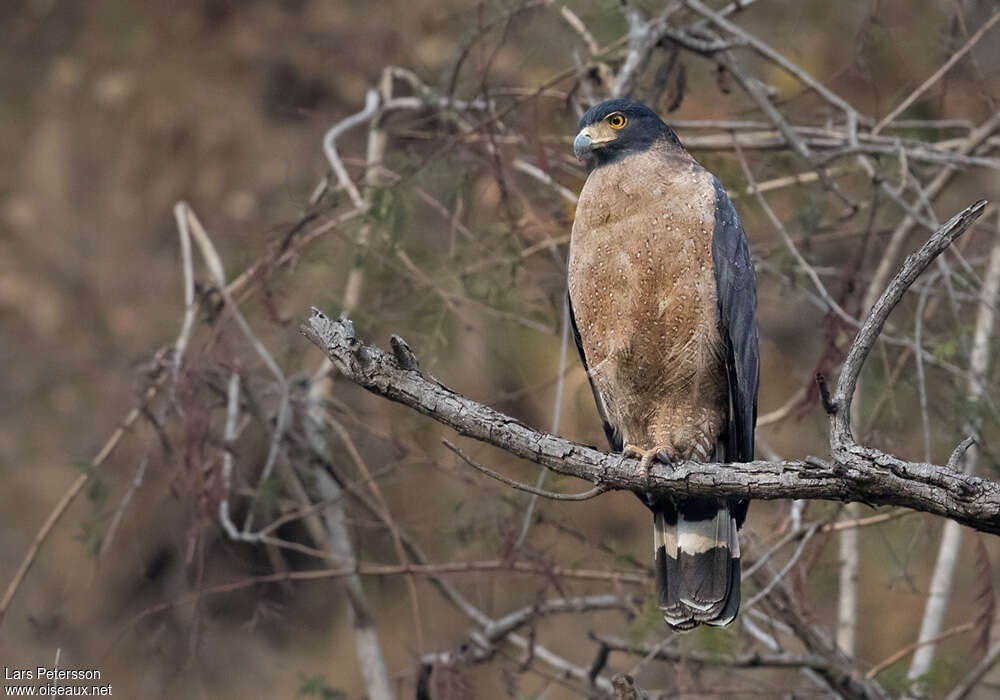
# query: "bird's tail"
[697,561]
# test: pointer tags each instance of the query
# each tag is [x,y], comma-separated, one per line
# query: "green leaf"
[945,349]
[269,491]
[627,559]
[317,686]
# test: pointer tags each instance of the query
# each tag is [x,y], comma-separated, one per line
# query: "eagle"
[663,306]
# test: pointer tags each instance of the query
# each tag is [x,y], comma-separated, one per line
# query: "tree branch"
[844,683]
[864,341]
[856,473]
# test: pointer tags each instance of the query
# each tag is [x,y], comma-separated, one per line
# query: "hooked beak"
[582,145]
[590,138]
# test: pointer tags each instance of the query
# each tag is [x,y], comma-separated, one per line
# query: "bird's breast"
[640,274]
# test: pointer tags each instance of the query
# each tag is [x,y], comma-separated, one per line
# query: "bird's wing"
[613,433]
[736,289]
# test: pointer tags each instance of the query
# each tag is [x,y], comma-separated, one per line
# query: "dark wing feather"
[614,434]
[736,288]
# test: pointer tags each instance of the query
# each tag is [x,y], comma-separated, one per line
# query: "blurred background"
[112,111]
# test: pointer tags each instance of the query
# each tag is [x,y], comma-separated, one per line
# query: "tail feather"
[697,563]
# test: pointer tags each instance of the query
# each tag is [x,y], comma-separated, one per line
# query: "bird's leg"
[661,453]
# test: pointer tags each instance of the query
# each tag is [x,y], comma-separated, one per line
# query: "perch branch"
[868,476]
[856,473]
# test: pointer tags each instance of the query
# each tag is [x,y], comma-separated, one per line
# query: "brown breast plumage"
[643,291]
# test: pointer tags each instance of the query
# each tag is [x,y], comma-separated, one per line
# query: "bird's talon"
[646,457]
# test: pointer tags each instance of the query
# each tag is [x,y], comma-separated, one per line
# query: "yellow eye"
[617,121]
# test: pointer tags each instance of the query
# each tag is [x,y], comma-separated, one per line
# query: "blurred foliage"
[317,687]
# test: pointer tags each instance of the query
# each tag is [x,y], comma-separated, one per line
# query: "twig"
[116,520]
[944,568]
[229,435]
[900,233]
[779,414]
[542,176]
[556,415]
[975,675]
[330,146]
[893,658]
[190,308]
[429,570]
[959,451]
[587,495]
[780,228]
[380,500]
[580,28]
[214,264]
[865,339]
[71,493]
[865,522]
[918,356]
[784,570]
[845,685]
[952,60]
[503,626]
[771,55]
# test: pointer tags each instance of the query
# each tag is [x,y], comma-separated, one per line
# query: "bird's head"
[617,128]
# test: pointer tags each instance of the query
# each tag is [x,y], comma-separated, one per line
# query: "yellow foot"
[660,453]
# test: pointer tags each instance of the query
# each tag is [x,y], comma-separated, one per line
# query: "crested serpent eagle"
[663,304]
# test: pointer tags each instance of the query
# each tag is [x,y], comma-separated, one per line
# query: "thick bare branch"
[857,474]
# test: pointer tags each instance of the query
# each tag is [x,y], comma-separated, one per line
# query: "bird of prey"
[663,303]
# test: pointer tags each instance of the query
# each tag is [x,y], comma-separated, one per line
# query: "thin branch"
[869,332]
[842,441]
[901,653]
[556,415]
[587,495]
[229,435]
[330,146]
[844,684]
[780,228]
[784,570]
[772,55]
[944,568]
[189,224]
[71,493]
[381,502]
[580,28]
[952,60]
[959,451]
[109,535]
[899,235]
[967,684]
[503,626]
